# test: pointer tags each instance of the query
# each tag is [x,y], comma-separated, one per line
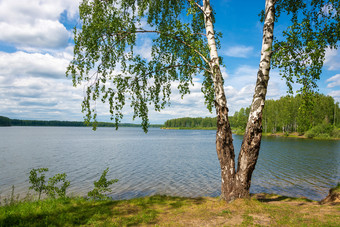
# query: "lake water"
[172,162]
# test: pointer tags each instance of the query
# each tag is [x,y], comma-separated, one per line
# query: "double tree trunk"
[236,182]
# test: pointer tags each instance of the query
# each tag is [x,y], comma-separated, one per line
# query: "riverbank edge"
[162,210]
[241,133]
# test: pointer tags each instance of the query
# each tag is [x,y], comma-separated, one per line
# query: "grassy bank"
[297,135]
[238,131]
[157,210]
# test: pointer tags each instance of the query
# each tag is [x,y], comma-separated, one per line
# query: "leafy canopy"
[300,52]
[106,59]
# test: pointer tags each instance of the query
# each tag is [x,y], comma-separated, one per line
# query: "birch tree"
[185,44]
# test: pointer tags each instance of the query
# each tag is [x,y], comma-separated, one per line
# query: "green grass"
[171,211]
[76,211]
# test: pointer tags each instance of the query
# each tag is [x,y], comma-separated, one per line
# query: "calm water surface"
[172,162]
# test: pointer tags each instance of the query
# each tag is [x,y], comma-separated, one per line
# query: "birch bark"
[224,141]
[252,137]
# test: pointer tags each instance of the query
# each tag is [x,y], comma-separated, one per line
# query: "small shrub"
[101,186]
[310,134]
[324,136]
[324,130]
[52,189]
[38,182]
[336,133]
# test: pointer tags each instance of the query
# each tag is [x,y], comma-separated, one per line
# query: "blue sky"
[36,46]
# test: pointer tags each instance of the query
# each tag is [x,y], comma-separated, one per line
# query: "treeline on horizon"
[288,114]
[5,121]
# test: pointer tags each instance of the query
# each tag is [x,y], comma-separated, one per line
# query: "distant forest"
[287,114]
[317,115]
[5,121]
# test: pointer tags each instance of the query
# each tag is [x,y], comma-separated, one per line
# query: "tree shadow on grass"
[266,198]
[114,212]
[77,211]
[173,201]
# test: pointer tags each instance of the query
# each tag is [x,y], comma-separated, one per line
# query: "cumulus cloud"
[22,64]
[240,85]
[242,76]
[333,81]
[40,98]
[145,49]
[332,59]
[28,10]
[335,95]
[191,105]
[32,81]
[35,23]
[224,73]
[239,51]
[42,33]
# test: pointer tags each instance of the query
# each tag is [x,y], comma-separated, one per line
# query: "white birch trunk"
[252,138]
[224,141]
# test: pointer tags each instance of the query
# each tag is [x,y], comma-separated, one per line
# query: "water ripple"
[171,162]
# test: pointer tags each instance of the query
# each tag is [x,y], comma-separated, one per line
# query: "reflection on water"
[172,162]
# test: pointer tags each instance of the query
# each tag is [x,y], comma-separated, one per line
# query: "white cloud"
[240,85]
[242,76]
[21,64]
[35,23]
[43,33]
[239,51]
[335,95]
[145,49]
[33,85]
[224,73]
[329,9]
[333,81]
[40,98]
[332,59]
[28,10]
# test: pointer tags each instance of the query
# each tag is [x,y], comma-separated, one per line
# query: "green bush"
[336,133]
[51,189]
[310,134]
[38,182]
[101,186]
[324,130]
